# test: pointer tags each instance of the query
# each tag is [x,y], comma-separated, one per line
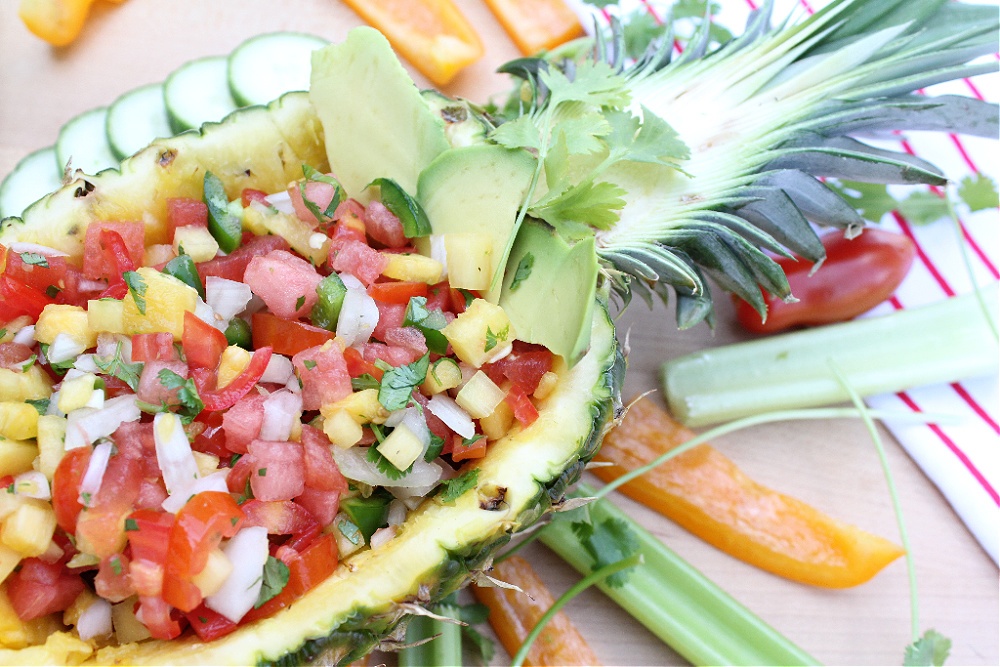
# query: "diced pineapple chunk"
[8,559]
[158,253]
[127,627]
[481,334]
[214,574]
[76,392]
[18,421]
[496,424]
[21,386]
[442,375]
[13,631]
[362,406]
[401,447]
[480,396]
[63,319]
[29,529]
[106,315]
[470,260]
[546,385]
[16,456]
[50,440]
[300,234]
[412,268]
[164,301]
[195,241]
[234,361]
[342,429]
[11,328]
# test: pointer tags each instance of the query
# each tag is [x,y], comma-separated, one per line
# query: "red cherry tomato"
[858,274]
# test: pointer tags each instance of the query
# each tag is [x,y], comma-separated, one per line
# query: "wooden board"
[832,465]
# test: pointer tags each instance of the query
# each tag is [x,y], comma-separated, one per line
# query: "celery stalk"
[445,647]
[676,602]
[943,342]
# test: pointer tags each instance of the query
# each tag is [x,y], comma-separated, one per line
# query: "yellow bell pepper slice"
[537,25]
[432,34]
[707,494]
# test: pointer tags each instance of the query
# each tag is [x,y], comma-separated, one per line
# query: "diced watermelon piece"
[324,376]
[241,423]
[185,212]
[323,505]
[409,338]
[321,471]
[358,259]
[383,226]
[390,315]
[151,388]
[234,265]
[98,264]
[318,193]
[390,354]
[279,470]
[286,283]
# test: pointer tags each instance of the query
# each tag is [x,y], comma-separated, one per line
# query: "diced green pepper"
[238,333]
[183,268]
[326,312]
[368,514]
[226,228]
[403,206]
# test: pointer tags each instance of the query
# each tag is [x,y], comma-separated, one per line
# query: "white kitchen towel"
[963,458]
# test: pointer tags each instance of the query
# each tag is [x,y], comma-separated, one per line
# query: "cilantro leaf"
[639,31]
[428,322]
[34,259]
[117,367]
[434,449]
[137,288]
[931,649]
[590,202]
[492,339]
[398,383]
[923,207]
[452,488]
[522,132]
[190,403]
[385,466]
[522,271]
[608,542]
[275,576]
[872,200]
[978,192]
[338,193]
[594,83]
[40,404]
[365,381]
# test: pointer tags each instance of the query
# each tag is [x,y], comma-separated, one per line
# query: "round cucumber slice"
[198,93]
[137,118]
[83,143]
[266,67]
[36,175]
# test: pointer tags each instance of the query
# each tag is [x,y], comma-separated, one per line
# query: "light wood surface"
[831,465]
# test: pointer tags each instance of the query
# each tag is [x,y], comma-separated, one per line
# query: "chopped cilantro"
[275,577]
[493,338]
[434,449]
[137,288]
[40,404]
[131,525]
[923,207]
[364,381]
[469,442]
[301,301]
[398,383]
[116,367]
[262,472]
[339,195]
[52,291]
[3,333]
[931,649]
[28,363]
[309,364]
[116,565]
[523,270]
[191,404]
[385,466]
[34,259]
[979,192]
[456,486]
[428,322]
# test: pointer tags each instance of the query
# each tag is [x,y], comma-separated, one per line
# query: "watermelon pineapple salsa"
[216,431]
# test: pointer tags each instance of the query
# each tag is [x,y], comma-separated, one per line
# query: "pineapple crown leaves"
[765,115]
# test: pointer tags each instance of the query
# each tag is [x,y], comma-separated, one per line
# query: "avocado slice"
[548,290]
[476,189]
[394,134]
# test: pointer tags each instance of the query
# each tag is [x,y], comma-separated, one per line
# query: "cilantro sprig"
[399,382]
[116,366]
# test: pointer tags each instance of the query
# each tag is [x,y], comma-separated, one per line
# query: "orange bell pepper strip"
[537,25]
[432,34]
[58,22]
[514,614]
[707,494]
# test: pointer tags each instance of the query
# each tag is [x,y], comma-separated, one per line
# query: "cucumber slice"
[266,67]
[198,93]
[137,118]
[36,175]
[83,143]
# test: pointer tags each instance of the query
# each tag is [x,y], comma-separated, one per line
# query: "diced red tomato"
[358,365]
[324,376]
[460,452]
[282,517]
[151,388]
[383,226]
[358,259]
[100,528]
[38,588]
[208,624]
[397,292]
[203,344]
[234,265]
[17,299]
[459,299]
[306,570]
[102,256]
[220,399]
[162,621]
[285,282]
[66,487]
[154,347]
[185,212]
[524,366]
[41,272]
[112,581]
[525,411]
[148,533]
[288,337]
[212,438]
[279,470]
[318,193]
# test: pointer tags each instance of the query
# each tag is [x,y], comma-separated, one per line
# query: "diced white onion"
[279,200]
[281,412]
[22,246]
[94,477]
[214,482]
[397,512]
[451,413]
[86,425]
[279,370]
[256,303]
[95,621]
[413,496]
[382,536]
[107,346]
[247,551]
[317,240]
[227,297]
[439,253]
[63,348]
[85,364]
[358,314]
[32,484]
[173,452]
[207,314]
[96,399]
[26,336]
[354,464]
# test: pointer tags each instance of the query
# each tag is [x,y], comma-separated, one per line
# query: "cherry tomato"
[858,274]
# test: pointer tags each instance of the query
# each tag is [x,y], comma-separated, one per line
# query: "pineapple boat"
[413,337]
